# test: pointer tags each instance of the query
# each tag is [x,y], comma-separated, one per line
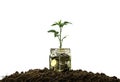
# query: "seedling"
[58,34]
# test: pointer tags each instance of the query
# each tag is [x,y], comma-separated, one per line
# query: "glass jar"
[60,59]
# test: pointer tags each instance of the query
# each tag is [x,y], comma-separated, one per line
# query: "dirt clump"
[46,75]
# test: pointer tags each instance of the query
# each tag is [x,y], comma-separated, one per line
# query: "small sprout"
[58,34]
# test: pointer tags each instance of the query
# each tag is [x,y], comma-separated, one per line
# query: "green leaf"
[64,38]
[54,24]
[54,31]
[60,23]
[66,22]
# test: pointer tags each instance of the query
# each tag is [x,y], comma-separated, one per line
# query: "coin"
[53,62]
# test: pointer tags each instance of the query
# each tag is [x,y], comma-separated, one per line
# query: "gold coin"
[53,62]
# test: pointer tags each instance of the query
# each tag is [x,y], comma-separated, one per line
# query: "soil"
[46,75]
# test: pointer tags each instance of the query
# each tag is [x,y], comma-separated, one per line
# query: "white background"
[94,36]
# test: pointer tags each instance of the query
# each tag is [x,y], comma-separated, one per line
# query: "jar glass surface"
[60,59]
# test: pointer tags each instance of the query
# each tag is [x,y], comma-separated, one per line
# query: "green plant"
[58,34]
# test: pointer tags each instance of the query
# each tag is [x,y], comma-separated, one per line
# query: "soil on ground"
[46,75]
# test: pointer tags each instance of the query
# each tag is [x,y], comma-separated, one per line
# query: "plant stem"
[60,37]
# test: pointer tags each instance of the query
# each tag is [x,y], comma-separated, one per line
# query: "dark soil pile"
[46,75]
